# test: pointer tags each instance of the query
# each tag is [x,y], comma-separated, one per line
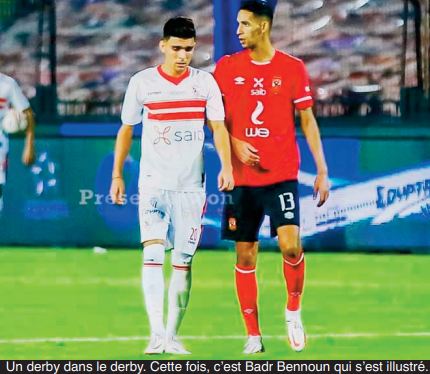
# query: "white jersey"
[173,112]
[10,95]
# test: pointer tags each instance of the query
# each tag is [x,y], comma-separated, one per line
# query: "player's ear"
[162,45]
[265,26]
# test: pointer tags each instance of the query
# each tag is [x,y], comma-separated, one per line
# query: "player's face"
[177,53]
[250,29]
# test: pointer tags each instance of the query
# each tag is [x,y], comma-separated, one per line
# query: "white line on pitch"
[202,337]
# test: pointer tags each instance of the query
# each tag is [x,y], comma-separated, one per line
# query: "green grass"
[355,306]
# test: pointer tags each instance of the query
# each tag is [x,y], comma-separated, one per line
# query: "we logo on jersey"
[257,132]
[258,89]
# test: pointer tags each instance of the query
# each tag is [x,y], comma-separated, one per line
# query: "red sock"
[246,287]
[294,274]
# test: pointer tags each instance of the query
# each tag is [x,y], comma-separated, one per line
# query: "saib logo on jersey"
[258,89]
[163,135]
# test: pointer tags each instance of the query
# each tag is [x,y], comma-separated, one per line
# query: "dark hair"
[179,27]
[258,7]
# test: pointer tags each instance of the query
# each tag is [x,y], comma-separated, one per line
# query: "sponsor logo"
[258,87]
[239,81]
[258,82]
[162,135]
[289,215]
[389,196]
[248,311]
[189,136]
[232,224]
[259,92]
[178,136]
[255,132]
[257,113]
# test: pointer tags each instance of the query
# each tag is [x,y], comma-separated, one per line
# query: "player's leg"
[242,219]
[283,206]
[187,219]
[294,274]
[153,218]
[4,145]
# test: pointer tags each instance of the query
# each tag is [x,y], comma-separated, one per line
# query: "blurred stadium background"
[369,65]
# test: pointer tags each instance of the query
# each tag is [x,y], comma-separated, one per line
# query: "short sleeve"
[214,104]
[220,73]
[302,91]
[17,98]
[131,113]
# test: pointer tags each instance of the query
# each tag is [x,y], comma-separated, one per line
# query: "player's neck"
[170,71]
[263,52]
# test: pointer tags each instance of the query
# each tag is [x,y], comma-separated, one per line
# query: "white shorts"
[172,216]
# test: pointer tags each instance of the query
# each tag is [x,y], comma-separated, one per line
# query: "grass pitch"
[74,304]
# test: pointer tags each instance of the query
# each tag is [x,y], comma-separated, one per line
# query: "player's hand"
[117,190]
[28,155]
[225,180]
[321,187]
[245,152]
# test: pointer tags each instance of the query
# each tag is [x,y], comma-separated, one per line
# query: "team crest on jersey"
[276,84]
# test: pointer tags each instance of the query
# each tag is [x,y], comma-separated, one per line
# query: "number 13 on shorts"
[287,201]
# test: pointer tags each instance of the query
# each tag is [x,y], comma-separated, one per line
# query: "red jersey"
[260,99]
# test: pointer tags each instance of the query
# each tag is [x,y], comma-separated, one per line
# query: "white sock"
[153,286]
[179,293]
[292,315]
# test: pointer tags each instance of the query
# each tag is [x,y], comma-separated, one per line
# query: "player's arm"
[222,145]
[122,148]
[28,154]
[312,134]
[244,151]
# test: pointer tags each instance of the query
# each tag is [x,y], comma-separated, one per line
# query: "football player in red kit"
[262,89]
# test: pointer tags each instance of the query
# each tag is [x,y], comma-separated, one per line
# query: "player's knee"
[246,254]
[246,259]
[290,250]
[153,253]
[181,261]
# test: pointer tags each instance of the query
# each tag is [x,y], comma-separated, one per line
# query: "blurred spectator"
[100,43]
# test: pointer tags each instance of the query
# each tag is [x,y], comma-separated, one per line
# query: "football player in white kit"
[173,100]
[12,96]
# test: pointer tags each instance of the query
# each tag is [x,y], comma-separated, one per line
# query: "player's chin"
[180,67]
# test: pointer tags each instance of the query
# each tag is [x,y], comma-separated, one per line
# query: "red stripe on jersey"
[176,104]
[176,116]
[2,100]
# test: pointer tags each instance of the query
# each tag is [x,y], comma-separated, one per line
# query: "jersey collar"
[259,63]
[174,80]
